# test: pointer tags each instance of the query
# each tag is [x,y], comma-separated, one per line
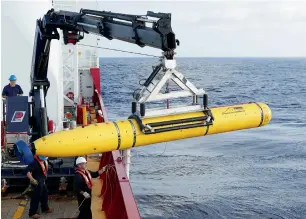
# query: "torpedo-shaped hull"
[109,136]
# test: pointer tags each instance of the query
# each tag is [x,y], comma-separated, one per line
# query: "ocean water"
[256,173]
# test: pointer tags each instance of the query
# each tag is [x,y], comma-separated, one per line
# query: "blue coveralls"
[10,91]
[40,191]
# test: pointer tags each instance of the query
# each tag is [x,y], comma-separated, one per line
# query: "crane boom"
[124,27]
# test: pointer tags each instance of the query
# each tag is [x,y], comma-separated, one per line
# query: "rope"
[164,149]
[119,50]
[113,168]
[77,208]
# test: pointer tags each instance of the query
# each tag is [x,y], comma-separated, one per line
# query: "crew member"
[12,89]
[37,173]
[83,185]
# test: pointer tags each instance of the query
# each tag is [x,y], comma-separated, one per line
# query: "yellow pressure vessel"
[109,136]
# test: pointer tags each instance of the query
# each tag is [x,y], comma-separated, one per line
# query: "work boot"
[35,216]
[50,210]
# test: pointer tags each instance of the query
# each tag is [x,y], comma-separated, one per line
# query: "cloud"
[218,28]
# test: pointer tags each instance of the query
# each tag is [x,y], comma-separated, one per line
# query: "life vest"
[87,178]
[43,165]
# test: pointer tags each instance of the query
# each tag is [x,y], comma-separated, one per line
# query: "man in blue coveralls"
[37,173]
[12,89]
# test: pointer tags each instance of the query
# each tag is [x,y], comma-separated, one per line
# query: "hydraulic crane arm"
[124,27]
[131,28]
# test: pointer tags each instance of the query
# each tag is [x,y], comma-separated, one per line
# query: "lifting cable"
[124,51]
[119,50]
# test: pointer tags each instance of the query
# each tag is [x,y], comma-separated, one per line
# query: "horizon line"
[207,57]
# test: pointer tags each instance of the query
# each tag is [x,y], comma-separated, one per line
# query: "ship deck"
[64,207]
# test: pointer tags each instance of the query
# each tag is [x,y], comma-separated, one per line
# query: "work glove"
[86,195]
[34,182]
[102,170]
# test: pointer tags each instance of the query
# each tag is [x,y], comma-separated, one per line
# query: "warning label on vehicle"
[236,109]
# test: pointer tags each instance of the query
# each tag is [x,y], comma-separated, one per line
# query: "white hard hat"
[80,160]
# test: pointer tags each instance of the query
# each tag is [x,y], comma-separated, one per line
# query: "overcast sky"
[217,28]
[227,28]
